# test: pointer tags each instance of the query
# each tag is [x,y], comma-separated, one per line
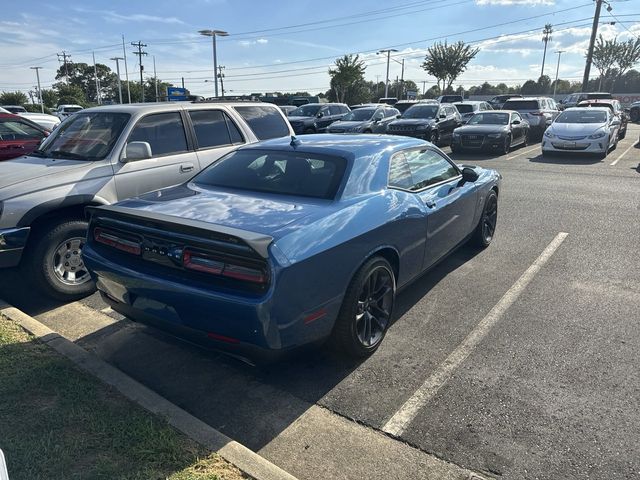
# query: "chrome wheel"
[375,304]
[490,218]
[68,266]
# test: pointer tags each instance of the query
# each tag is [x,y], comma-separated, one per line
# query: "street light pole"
[555,84]
[386,85]
[39,89]
[118,72]
[213,34]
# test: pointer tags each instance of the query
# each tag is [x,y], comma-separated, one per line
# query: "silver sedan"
[582,129]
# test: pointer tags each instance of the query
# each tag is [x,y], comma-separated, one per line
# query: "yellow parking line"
[523,153]
[623,154]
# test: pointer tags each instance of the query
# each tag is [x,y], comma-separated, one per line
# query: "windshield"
[285,173]
[582,116]
[359,115]
[489,119]
[421,111]
[464,108]
[306,111]
[85,136]
[521,105]
[72,109]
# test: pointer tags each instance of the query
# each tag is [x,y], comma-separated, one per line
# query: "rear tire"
[366,311]
[433,138]
[485,230]
[54,263]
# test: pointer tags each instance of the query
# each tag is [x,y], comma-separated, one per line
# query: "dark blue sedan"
[290,241]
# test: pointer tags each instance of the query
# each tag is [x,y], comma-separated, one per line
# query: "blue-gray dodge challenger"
[290,241]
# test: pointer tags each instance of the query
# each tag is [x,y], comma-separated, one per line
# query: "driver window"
[427,167]
[164,132]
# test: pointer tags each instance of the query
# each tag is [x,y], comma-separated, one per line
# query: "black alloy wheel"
[367,309]
[507,144]
[486,229]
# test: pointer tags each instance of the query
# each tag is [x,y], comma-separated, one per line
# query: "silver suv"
[100,156]
[539,112]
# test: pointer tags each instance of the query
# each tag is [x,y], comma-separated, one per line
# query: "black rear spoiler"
[257,241]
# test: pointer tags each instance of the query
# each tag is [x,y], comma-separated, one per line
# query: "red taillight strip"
[202,262]
[315,316]
[222,338]
[112,239]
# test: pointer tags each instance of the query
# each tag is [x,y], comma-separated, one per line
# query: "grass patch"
[58,422]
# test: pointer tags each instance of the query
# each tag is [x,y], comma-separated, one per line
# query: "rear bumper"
[12,244]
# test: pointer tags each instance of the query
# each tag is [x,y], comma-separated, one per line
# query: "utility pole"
[424,87]
[386,84]
[65,56]
[140,53]
[555,84]
[546,38]
[118,73]
[182,82]
[155,77]
[221,76]
[126,70]
[592,41]
[95,73]
[39,89]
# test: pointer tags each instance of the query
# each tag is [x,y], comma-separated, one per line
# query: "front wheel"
[525,142]
[366,310]
[54,261]
[486,229]
[433,138]
[506,147]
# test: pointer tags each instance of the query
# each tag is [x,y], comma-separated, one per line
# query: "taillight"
[202,262]
[115,240]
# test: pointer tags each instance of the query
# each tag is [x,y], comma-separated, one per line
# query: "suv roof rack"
[227,99]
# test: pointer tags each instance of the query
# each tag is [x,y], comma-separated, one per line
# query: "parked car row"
[252,234]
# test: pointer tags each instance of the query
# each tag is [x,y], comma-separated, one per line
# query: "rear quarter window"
[266,122]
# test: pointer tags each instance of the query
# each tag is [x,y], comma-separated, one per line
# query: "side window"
[391,112]
[266,122]
[399,172]
[213,128]
[164,132]
[427,167]
[344,109]
[325,111]
[16,130]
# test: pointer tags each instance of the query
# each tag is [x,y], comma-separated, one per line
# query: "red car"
[18,136]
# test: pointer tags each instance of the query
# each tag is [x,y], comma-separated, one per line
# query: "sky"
[276,45]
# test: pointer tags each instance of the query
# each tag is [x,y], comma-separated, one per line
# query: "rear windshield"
[521,105]
[309,110]
[582,116]
[464,108]
[285,173]
[421,111]
[266,122]
[72,109]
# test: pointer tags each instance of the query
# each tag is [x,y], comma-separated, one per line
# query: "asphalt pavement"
[519,361]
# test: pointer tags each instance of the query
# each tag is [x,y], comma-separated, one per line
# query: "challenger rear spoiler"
[257,241]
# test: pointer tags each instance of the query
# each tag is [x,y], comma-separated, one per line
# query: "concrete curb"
[232,451]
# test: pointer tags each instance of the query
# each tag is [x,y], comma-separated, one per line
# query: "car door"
[17,137]
[324,118]
[216,134]
[449,203]
[172,161]
[517,128]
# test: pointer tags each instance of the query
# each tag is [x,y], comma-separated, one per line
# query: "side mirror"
[615,122]
[378,118]
[399,115]
[516,122]
[469,175]
[137,151]
[443,115]
[320,115]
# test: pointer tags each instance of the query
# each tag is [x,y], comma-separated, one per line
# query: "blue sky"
[262,56]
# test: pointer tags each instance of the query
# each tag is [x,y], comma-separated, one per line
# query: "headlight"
[599,134]
[456,135]
[548,134]
[494,135]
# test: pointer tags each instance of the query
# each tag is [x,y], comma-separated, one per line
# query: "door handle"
[430,203]
[186,168]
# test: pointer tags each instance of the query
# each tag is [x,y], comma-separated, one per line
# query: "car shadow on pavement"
[252,404]
[567,159]
[17,290]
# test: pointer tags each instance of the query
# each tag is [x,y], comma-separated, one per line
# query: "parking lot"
[519,361]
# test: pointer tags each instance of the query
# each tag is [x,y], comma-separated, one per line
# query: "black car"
[316,117]
[496,130]
[404,105]
[498,101]
[450,98]
[365,120]
[433,122]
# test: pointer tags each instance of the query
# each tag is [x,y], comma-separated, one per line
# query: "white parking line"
[403,417]
[623,154]
[523,153]
[106,310]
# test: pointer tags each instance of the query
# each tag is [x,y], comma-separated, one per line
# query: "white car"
[64,111]
[48,122]
[582,129]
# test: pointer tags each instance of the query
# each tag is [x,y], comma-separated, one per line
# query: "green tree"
[347,79]
[149,91]
[605,54]
[530,87]
[447,62]
[83,76]
[49,97]
[544,84]
[70,94]
[13,98]
[628,55]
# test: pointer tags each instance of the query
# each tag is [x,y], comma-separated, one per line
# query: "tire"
[454,149]
[506,148]
[525,142]
[433,138]
[350,334]
[367,131]
[635,114]
[485,230]
[48,251]
[623,133]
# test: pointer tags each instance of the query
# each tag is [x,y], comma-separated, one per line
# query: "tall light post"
[386,84]
[39,89]
[213,34]
[400,90]
[118,72]
[555,84]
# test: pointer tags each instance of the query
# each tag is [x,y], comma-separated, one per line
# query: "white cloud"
[262,40]
[248,43]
